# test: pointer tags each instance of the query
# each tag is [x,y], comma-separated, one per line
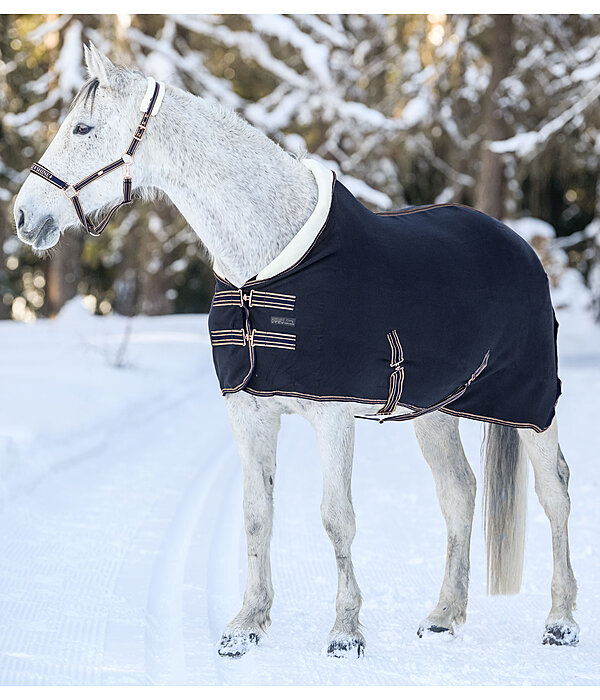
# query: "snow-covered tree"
[494,111]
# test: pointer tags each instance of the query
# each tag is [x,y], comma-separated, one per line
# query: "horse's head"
[95,132]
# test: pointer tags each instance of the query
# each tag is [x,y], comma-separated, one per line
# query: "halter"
[149,106]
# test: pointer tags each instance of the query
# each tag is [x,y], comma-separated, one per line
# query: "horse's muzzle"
[39,237]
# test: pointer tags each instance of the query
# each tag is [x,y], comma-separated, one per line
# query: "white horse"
[246,199]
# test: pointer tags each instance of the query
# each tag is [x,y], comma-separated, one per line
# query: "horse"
[247,199]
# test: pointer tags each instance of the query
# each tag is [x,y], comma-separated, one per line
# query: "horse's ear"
[97,64]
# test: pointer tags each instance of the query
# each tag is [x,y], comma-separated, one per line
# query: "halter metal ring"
[70,192]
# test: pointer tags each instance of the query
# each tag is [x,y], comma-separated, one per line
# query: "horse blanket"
[430,307]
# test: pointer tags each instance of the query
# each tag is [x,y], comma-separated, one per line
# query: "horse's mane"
[87,92]
[90,87]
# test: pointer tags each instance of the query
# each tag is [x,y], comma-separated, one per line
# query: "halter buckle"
[70,192]
[127,159]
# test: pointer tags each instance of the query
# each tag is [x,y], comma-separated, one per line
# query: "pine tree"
[408,109]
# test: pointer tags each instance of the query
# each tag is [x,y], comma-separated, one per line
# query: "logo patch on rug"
[283,321]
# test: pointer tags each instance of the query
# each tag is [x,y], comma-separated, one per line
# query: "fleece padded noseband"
[150,105]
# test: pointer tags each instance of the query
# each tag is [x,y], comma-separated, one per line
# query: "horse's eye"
[81,129]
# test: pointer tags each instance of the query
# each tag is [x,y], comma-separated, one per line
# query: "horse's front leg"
[255,426]
[334,426]
[440,443]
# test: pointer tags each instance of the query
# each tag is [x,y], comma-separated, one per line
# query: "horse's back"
[459,283]
[448,283]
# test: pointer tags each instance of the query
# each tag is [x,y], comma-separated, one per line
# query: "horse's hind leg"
[255,426]
[551,485]
[440,443]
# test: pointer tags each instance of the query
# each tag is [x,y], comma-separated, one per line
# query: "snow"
[572,291]
[280,116]
[521,143]
[251,46]
[68,64]
[525,143]
[359,188]
[585,73]
[327,31]
[122,543]
[33,111]
[39,33]
[415,112]
[315,56]
[528,227]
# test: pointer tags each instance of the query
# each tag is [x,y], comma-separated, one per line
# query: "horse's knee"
[339,524]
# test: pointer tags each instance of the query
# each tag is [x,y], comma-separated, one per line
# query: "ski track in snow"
[123,551]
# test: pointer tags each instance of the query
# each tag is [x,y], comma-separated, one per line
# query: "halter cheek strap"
[150,105]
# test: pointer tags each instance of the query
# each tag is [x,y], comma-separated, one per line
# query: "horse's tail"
[504,508]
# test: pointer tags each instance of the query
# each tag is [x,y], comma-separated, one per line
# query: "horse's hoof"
[236,644]
[345,647]
[562,634]
[426,628]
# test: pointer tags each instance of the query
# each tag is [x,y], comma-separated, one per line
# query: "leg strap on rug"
[397,381]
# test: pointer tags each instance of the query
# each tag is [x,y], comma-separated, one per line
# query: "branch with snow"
[526,143]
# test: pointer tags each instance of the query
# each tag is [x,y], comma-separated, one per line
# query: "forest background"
[499,112]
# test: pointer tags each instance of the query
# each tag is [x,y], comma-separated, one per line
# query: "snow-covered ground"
[122,551]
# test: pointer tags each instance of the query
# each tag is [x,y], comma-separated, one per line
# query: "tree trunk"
[154,280]
[63,274]
[491,187]
[5,309]
[126,285]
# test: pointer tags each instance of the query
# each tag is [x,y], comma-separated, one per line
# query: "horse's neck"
[242,194]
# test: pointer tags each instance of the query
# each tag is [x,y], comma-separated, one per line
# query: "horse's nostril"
[21,221]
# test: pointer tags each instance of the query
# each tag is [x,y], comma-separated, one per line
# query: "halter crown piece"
[149,106]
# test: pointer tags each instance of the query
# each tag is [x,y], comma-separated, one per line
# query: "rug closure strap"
[397,375]
[253,338]
[255,298]
[456,394]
